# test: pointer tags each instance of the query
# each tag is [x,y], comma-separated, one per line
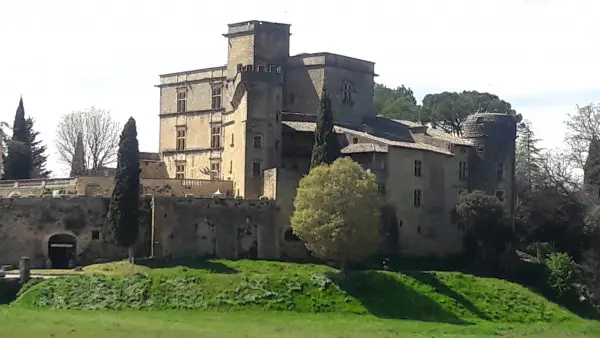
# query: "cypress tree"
[123,209]
[18,164]
[326,148]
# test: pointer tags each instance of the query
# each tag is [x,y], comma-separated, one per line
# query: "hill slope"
[450,297]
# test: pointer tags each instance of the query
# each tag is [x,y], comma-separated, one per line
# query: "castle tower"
[492,164]
[257,52]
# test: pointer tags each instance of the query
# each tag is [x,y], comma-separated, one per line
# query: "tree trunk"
[131,260]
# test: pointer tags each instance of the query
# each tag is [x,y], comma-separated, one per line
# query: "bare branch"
[100,137]
[583,126]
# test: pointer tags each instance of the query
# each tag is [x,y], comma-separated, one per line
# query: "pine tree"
[18,164]
[123,209]
[326,148]
[38,152]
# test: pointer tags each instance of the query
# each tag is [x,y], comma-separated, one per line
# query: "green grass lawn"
[222,298]
[25,323]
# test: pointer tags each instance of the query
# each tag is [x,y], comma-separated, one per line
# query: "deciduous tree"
[583,128]
[337,212]
[100,137]
[123,211]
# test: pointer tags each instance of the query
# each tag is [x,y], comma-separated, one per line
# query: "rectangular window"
[500,172]
[462,171]
[181,100]
[95,235]
[215,170]
[180,140]
[217,96]
[417,198]
[255,168]
[257,141]
[417,168]
[463,150]
[180,171]
[347,92]
[230,167]
[215,137]
[500,195]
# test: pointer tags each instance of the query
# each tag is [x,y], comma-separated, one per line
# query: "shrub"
[561,272]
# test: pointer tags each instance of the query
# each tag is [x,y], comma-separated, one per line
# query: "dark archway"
[62,249]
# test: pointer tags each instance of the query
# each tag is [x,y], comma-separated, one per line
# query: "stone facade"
[251,122]
[47,229]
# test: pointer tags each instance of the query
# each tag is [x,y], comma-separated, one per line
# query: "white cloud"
[67,55]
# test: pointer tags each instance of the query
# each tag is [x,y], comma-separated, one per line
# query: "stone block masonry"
[67,231]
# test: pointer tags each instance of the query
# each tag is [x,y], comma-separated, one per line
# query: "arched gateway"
[62,249]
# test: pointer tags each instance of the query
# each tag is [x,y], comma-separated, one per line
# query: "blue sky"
[540,55]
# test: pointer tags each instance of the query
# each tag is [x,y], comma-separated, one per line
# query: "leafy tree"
[326,148]
[337,212]
[18,164]
[38,151]
[100,137]
[487,233]
[399,103]
[561,272]
[123,211]
[449,110]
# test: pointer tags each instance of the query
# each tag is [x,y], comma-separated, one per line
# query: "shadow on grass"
[191,263]
[8,290]
[385,296]
[431,280]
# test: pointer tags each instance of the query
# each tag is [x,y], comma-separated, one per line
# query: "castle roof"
[385,141]
[357,148]
[438,134]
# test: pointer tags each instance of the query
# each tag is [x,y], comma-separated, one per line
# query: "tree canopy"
[449,110]
[100,135]
[446,110]
[398,104]
[337,212]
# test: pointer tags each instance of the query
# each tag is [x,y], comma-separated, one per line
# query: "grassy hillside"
[450,297]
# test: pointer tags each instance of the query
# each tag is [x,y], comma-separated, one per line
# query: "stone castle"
[246,129]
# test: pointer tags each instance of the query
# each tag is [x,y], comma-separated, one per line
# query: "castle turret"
[492,164]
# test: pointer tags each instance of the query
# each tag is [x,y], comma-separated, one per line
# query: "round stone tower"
[492,162]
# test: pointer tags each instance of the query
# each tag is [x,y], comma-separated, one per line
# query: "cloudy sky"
[543,56]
